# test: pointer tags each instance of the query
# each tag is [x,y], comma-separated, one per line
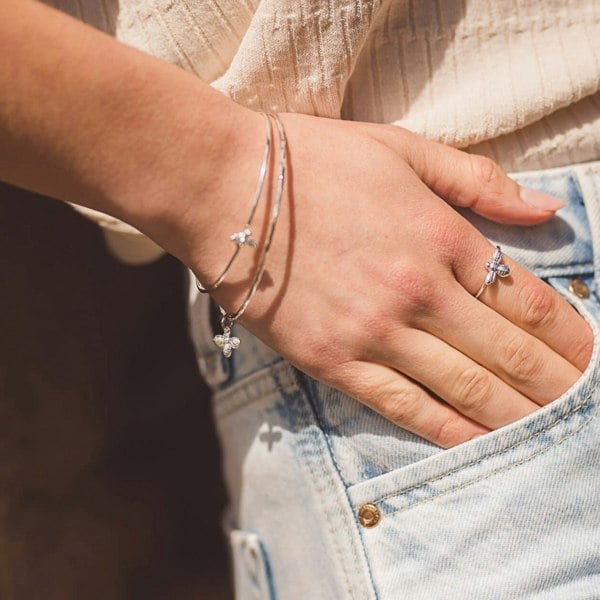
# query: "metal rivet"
[369,515]
[579,288]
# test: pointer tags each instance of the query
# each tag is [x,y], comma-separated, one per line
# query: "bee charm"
[243,238]
[495,269]
[226,342]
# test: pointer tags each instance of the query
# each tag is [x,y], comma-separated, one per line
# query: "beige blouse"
[517,80]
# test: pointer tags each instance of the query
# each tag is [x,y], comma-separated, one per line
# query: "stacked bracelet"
[225,341]
[244,237]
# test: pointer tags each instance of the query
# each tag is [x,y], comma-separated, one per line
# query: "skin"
[370,280]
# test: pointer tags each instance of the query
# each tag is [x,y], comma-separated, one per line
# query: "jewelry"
[244,237]
[225,341]
[495,269]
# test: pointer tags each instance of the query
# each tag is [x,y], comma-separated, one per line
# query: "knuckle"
[539,306]
[520,361]
[411,287]
[583,350]
[473,388]
[373,326]
[450,432]
[317,357]
[489,177]
[402,407]
[484,169]
[344,378]
[401,141]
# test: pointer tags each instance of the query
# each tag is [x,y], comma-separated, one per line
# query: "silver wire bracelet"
[244,237]
[225,341]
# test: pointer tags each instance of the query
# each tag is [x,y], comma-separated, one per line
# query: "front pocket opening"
[498,451]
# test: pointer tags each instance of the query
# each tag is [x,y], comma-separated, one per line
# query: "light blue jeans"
[513,514]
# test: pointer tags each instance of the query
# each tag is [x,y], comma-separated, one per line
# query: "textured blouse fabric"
[517,80]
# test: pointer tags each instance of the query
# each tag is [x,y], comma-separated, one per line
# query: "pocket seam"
[502,451]
[501,469]
[560,415]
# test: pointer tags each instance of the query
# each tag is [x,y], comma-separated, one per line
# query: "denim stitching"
[498,470]
[551,425]
[310,398]
[289,385]
[584,402]
[565,270]
[316,477]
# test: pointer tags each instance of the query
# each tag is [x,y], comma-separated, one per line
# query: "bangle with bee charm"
[226,342]
[244,236]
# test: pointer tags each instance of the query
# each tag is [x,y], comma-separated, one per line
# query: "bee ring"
[495,269]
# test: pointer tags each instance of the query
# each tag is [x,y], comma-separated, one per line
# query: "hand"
[371,278]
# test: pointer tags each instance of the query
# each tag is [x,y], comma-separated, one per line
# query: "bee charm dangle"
[226,342]
[243,238]
[495,269]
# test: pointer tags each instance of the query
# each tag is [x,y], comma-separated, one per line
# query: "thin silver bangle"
[225,341]
[244,237]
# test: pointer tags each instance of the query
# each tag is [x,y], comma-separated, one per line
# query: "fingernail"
[540,200]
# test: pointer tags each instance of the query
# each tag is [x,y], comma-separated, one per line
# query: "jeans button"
[369,515]
[579,288]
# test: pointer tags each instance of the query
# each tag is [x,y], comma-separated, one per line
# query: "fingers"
[526,301]
[518,358]
[488,371]
[477,182]
[408,405]
[473,390]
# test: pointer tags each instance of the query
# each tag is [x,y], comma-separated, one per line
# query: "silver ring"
[495,269]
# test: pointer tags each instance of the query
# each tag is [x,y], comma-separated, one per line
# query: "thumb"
[478,183]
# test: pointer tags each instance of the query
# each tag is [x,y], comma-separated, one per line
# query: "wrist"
[192,185]
[225,203]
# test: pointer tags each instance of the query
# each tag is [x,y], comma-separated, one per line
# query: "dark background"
[109,466]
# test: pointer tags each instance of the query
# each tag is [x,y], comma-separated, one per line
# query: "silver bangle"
[225,341]
[244,237]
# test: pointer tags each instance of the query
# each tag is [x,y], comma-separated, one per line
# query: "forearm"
[87,119]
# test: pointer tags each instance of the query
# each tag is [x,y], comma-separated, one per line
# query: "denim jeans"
[512,514]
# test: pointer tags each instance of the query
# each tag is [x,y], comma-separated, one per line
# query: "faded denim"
[514,514]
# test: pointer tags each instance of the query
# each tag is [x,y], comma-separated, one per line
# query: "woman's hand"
[371,278]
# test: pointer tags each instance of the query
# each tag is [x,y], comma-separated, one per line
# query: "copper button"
[369,515]
[579,288]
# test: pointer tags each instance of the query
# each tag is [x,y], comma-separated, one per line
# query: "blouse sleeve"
[124,242]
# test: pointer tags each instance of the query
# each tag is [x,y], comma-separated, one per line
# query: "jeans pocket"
[316,458]
[511,514]
[446,471]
